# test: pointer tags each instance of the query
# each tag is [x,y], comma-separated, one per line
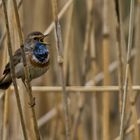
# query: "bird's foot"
[32,102]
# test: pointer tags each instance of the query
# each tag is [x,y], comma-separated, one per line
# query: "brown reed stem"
[59,46]
[133,115]
[12,68]
[130,36]
[129,129]
[4,34]
[5,117]
[6,101]
[135,97]
[106,96]
[106,81]
[60,15]
[77,118]
[26,72]
[119,50]
[89,25]
[94,98]
[136,44]
[85,89]
[66,43]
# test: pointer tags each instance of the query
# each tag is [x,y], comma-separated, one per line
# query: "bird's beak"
[44,36]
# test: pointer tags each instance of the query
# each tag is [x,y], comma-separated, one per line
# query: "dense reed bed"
[91,90]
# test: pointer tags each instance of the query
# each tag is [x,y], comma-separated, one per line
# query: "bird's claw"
[32,103]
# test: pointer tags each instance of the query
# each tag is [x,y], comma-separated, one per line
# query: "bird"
[37,57]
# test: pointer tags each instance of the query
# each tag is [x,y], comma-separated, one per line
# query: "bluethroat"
[37,56]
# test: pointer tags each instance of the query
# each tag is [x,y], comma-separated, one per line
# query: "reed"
[91,90]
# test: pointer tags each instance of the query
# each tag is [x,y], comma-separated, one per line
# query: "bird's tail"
[5,82]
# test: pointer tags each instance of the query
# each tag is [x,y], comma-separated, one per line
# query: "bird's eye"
[35,38]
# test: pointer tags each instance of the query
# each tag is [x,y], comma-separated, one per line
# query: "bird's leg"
[32,103]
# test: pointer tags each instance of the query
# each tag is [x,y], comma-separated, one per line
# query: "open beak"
[44,36]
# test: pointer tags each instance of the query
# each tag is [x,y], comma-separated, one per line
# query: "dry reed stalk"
[1,119]
[67,37]
[136,69]
[25,105]
[119,52]
[130,36]
[60,15]
[94,118]
[121,31]
[85,89]
[53,112]
[87,35]
[106,81]
[77,118]
[13,71]
[129,129]
[5,116]
[106,96]
[2,38]
[4,34]
[94,98]
[26,71]
[19,3]
[90,44]
[6,100]
[69,58]
[59,47]
[85,63]
[75,78]
[134,115]
[134,97]
[134,121]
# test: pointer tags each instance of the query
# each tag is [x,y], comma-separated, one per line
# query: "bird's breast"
[37,68]
[36,71]
[35,62]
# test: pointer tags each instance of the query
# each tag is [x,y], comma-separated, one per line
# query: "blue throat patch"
[40,51]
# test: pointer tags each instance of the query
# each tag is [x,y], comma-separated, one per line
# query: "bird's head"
[34,38]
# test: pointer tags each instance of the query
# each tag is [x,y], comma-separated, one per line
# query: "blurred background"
[95,37]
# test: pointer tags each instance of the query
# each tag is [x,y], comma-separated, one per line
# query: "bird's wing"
[16,59]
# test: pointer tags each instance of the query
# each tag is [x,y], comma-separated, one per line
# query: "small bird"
[37,56]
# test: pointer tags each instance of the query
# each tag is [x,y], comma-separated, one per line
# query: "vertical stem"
[5,116]
[119,52]
[6,99]
[67,37]
[106,96]
[131,24]
[59,46]
[134,115]
[94,98]
[13,71]
[87,35]
[26,71]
